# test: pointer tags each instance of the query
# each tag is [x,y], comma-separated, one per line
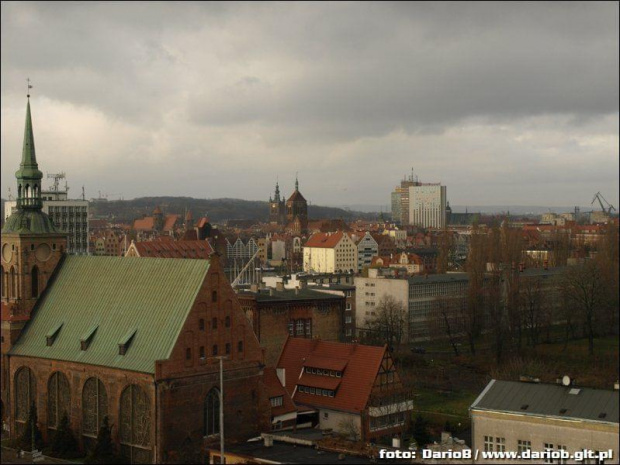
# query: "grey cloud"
[316,87]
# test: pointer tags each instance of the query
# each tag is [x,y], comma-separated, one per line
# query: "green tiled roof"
[29,222]
[119,296]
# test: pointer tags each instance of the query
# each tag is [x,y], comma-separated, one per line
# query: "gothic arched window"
[94,409]
[34,279]
[13,285]
[58,399]
[25,395]
[135,425]
[212,413]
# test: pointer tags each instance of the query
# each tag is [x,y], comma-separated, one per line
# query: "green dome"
[29,222]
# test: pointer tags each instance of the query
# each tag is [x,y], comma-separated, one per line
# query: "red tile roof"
[358,377]
[202,222]
[144,224]
[172,249]
[319,381]
[324,240]
[275,389]
[170,222]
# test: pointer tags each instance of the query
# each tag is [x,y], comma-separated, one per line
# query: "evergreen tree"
[420,431]
[63,442]
[104,450]
[25,440]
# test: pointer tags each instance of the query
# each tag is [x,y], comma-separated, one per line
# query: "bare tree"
[607,260]
[445,320]
[388,325]
[476,267]
[585,289]
[533,308]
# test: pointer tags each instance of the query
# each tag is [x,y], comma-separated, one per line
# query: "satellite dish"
[566,380]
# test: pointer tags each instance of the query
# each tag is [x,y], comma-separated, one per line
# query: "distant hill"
[218,210]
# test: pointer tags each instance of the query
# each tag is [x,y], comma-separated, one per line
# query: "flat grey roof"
[550,400]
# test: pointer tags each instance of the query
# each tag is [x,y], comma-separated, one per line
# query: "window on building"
[299,329]
[135,425]
[523,446]
[291,328]
[308,328]
[94,409]
[201,324]
[227,347]
[276,401]
[58,399]
[214,350]
[240,346]
[227,322]
[214,296]
[501,444]
[548,448]
[488,443]
[25,394]
[188,354]
[211,413]
[202,352]
[214,323]
[562,460]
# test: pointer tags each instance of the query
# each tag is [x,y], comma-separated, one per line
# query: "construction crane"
[598,196]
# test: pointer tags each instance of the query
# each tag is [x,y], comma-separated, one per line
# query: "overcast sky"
[504,103]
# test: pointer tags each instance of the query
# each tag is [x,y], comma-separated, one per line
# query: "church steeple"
[29,176]
[296,183]
[277,195]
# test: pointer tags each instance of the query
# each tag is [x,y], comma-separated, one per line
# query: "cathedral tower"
[32,247]
[277,208]
[297,210]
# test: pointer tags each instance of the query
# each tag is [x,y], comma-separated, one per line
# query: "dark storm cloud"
[478,87]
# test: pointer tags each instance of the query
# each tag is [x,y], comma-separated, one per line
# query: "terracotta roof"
[170,222]
[358,377]
[202,222]
[319,381]
[324,240]
[157,210]
[275,389]
[172,249]
[326,363]
[144,224]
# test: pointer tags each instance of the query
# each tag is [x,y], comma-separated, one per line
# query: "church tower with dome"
[32,247]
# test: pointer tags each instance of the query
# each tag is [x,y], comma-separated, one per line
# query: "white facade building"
[330,253]
[367,248]
[427,205]
[69,216]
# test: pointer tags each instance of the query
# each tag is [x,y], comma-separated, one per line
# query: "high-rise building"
[427,205]
[70,216]
[419,204]
[400,201]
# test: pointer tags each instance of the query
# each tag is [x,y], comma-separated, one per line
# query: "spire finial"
[29,87]
[296,181]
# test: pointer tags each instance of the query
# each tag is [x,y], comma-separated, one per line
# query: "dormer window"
[52,335]
[86,340]
[124,344]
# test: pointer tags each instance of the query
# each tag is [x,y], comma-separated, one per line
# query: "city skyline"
[504,104]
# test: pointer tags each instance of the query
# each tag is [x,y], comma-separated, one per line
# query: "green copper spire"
[28,176]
